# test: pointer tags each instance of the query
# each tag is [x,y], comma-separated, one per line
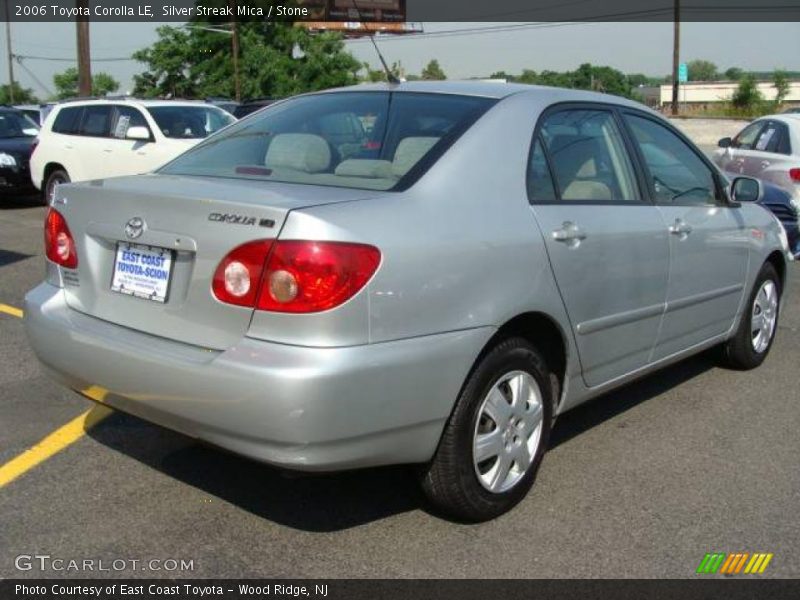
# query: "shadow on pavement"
[333,502]
[608,406]
[10,201]
[308,502]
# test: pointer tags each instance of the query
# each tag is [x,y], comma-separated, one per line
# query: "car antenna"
[390,77]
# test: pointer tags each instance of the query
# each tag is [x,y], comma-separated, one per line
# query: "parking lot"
[640,483]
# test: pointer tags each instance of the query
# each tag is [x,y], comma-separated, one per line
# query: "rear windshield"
[190,122]
[366,140]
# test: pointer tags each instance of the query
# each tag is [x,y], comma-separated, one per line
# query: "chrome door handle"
[569,232]
[680,227]
[764,164]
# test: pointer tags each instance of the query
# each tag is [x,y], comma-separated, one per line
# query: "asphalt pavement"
[642,482]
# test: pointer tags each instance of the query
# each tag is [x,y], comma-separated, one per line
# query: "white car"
[769,149]
[96,139]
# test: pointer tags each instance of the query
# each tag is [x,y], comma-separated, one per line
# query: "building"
[699,93]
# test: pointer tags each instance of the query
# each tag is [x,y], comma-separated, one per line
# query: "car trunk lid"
[192,220]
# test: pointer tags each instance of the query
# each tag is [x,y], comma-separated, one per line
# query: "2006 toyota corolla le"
[420,273]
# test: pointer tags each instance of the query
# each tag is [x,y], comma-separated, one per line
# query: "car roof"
[133,102]
[490,89]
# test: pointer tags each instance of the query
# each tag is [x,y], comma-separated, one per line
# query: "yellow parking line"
[10,310]
[52,444]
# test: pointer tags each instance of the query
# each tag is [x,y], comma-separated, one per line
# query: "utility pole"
[10,54]
[237,84]
[84,55]
[676,56]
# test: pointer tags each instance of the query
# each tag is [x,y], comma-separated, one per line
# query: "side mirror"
[137,132]
[745,189]
[725,142]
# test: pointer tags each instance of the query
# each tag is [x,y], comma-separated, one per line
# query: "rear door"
[606,242]
[93,143]
[709,244]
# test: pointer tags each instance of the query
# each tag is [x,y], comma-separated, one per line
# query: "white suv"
[94,139]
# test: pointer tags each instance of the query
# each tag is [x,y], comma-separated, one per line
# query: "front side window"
[747,136]
[190,122]
[127,117]
[365,140]
[588,156]
[677,174]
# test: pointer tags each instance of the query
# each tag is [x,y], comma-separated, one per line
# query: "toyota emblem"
[135,227]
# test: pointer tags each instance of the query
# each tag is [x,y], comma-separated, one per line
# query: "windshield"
[367,140]
[190,122]
[14,125]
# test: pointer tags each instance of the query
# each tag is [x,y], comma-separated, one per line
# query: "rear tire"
[753,340]
[55,178]
[496,437]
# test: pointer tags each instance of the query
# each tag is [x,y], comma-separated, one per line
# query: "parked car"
[95,139]
[33,112]
[767,148]
[225,104]
[250,106]
[780,202]
[486,258]
[17,138]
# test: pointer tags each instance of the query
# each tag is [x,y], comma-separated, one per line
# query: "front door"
[708,239]
[607,244]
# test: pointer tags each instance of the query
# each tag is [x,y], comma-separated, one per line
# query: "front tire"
[753,340]
[496,437]
[55,178]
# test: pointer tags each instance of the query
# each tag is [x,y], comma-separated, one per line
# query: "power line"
[59,59]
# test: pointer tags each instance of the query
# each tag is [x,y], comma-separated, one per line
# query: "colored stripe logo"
[734,563]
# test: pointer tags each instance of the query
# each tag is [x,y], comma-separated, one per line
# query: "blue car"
[778,201]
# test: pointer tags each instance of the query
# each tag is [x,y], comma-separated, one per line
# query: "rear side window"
[588,156]
[677,174]
[96,121]
[774,137]
[540,180]
[363,140]
[68,120]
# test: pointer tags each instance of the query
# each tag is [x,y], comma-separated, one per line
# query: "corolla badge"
[135,227]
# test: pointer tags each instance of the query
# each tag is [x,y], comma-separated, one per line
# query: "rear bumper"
[316,409]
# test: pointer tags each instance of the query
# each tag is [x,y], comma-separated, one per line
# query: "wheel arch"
[543,332]
[48,170]
[777,260]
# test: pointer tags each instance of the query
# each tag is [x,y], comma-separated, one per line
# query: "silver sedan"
[418,273]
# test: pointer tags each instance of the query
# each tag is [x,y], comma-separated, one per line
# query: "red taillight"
[58,242]
[306,277]
[300,276]
[238,276]
[795,175]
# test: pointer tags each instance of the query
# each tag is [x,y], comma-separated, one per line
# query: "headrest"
[298,151]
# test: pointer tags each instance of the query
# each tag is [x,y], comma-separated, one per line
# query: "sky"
[630,47]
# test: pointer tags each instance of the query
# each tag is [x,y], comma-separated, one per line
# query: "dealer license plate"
[142,271]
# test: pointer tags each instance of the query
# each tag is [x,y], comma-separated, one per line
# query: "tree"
[433,72]
[702,70]
[195,63]
[734,73]
[67,84]
[747,97]
[780,81]
[21,95]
